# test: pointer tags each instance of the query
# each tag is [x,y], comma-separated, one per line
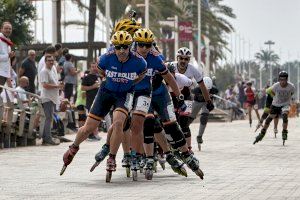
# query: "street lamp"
[270,43]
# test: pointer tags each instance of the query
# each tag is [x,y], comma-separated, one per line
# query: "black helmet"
[283,74]
[171,67]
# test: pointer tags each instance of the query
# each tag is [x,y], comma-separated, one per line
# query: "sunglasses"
[147,45]
[49,60]
[122,46]
[182,58]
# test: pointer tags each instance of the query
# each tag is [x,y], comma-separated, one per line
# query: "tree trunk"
[91,29]
[58,16]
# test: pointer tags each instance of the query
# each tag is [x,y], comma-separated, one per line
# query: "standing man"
[50,97]
[70,73]
[90,84]
[5,53]
[28,69]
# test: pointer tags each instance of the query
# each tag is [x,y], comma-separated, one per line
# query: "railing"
[17,120]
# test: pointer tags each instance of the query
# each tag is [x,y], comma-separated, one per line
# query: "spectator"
[90,84]
[242,96]
[61,62]
[28,69]
[49,51]
[70,76]
[23,84]
[50,97]
[5,54]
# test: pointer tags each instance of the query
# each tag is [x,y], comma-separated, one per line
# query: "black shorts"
[68,90]
[275,110]
[106,99]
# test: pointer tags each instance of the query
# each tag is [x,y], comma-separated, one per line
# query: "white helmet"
[208,82]
[184,51]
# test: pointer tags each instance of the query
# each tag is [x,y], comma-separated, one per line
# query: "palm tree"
[266,57]
[213,24]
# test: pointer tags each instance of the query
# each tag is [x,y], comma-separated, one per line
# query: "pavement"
[234,169]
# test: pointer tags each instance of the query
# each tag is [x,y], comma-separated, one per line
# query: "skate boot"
[68,157]
[141,161]
[134,165]
[193,163]
[275,132]
[162,160]
[177,153]
[155,157]
[176,165]
[110,167]
[100,156]
[126,163]
[258,126]
[260,136]
[284,136]
[149,168]
[199,141]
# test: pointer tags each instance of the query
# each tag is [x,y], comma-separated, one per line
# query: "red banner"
[185,31]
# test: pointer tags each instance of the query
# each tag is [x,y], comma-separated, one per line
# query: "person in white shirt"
[23,84]
[49,96]
[5,54]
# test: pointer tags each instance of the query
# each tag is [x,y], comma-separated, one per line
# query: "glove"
[210,106]
[181,105]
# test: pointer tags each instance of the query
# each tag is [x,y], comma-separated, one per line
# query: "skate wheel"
[94,166]
[108,176]
[134,175]
[199,173]
[128,172]
[63,169]
[183,172]
[148,174]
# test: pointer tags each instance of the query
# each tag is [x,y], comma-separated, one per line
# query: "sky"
[261,20]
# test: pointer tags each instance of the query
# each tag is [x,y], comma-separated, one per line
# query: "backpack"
[58,126]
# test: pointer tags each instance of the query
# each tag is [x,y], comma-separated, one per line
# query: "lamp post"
[270,43]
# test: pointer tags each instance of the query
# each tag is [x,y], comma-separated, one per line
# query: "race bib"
[143,104]
[189,106]
[285,108]
[129,101]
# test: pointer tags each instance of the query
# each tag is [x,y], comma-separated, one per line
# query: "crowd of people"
[145,101]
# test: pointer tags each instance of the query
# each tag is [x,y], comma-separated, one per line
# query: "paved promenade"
[234,169]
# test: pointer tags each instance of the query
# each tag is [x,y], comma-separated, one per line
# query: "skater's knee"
[204,118]
[174,135]
[285,118]
[149,130]
[268,120]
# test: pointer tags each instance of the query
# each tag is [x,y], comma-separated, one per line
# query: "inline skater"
[184,67]
[282,92]
[123,69]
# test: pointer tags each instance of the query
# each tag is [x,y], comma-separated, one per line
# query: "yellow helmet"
[121,37]
[131,26]
[143,35]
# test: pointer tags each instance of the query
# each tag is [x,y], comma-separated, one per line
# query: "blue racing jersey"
[120,76]
[154,64]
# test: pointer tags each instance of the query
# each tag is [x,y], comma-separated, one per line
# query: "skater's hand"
[210,106]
